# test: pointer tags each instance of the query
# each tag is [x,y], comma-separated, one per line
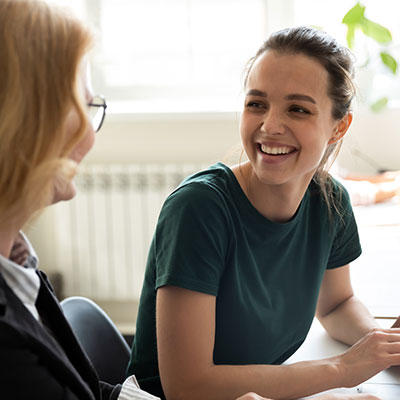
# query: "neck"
[7,238]
[278,203]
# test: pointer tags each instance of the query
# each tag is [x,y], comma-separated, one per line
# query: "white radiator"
[102,237]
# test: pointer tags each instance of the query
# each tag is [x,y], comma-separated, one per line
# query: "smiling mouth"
[276,151]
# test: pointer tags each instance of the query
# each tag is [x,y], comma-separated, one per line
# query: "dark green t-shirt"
[265,275]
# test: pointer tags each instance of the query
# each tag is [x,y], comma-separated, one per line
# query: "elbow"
[174,395]
[185,391]
[182,394]
[326,311]
[179,396]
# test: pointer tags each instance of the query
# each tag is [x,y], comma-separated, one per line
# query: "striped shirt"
[22,279]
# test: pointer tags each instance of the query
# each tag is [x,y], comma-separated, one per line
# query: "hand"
[377,350]
[328,396]
[341,396]
[255,396]
[391,175]
[396,323]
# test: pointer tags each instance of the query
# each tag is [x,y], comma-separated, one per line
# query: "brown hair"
[42,51]
[338,62]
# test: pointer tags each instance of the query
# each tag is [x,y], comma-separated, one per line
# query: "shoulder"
[337,195]
[12,310]
[206,188]
[202,203]
[331,204]
[341,199]
[338,188]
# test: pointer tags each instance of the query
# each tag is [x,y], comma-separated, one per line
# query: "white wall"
[375,134]
[165,138]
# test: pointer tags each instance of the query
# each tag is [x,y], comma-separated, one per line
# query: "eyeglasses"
[97,112]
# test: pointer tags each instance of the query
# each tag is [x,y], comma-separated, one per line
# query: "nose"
[273,123]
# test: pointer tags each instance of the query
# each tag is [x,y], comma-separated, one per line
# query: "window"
[189,55]
[157,55]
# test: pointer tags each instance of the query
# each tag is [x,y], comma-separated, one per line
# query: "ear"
[341,128]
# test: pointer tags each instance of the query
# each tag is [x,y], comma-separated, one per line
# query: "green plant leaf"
[355,15]
[389,61]
[350,36]
[379,104]
[376,31]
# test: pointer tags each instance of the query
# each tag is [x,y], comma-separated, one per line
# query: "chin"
[67,192]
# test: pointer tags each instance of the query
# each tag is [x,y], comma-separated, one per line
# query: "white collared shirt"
[23,280]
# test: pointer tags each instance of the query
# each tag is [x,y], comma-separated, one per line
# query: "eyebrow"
[295,96]
[303,97]
[256,92]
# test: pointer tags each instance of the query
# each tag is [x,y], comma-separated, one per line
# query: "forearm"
[388,176]
[386,191]
[349,321]
[186,339]
[278,382]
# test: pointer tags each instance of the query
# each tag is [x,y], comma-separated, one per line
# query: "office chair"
[99,337]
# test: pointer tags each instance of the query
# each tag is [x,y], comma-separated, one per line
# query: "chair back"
[103,343]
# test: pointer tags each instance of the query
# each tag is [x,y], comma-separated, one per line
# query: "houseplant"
[363,30]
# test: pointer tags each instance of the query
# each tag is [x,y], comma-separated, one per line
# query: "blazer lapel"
[15,314]
[49,306]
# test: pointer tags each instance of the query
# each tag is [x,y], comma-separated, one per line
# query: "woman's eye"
[255,105]
[299,110]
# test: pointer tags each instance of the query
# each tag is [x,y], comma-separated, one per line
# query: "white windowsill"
[213,109]
[217,108]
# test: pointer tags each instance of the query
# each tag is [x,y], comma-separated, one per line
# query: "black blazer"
[33,365]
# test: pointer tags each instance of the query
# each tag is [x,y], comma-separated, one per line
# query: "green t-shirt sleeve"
[346,244]
[191,239]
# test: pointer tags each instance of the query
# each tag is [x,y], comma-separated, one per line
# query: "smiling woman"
[335,69]
[243,257]
[45,133]
[287,124]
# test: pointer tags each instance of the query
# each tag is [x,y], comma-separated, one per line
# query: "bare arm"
[383,186]
[387,190]
[328,396]
[185,339]
[346,319]
[388,176]
[343,316]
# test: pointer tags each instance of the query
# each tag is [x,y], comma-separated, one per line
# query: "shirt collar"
[23,280]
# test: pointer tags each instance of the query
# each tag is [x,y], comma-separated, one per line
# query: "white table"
[376,274]
[319,344]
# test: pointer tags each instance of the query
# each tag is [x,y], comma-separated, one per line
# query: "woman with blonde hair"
[48,120]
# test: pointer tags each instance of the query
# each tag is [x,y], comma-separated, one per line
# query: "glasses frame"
[103,105]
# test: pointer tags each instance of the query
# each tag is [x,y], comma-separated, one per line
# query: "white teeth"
[275,150]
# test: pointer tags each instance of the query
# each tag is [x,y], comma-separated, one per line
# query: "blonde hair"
[42,50]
